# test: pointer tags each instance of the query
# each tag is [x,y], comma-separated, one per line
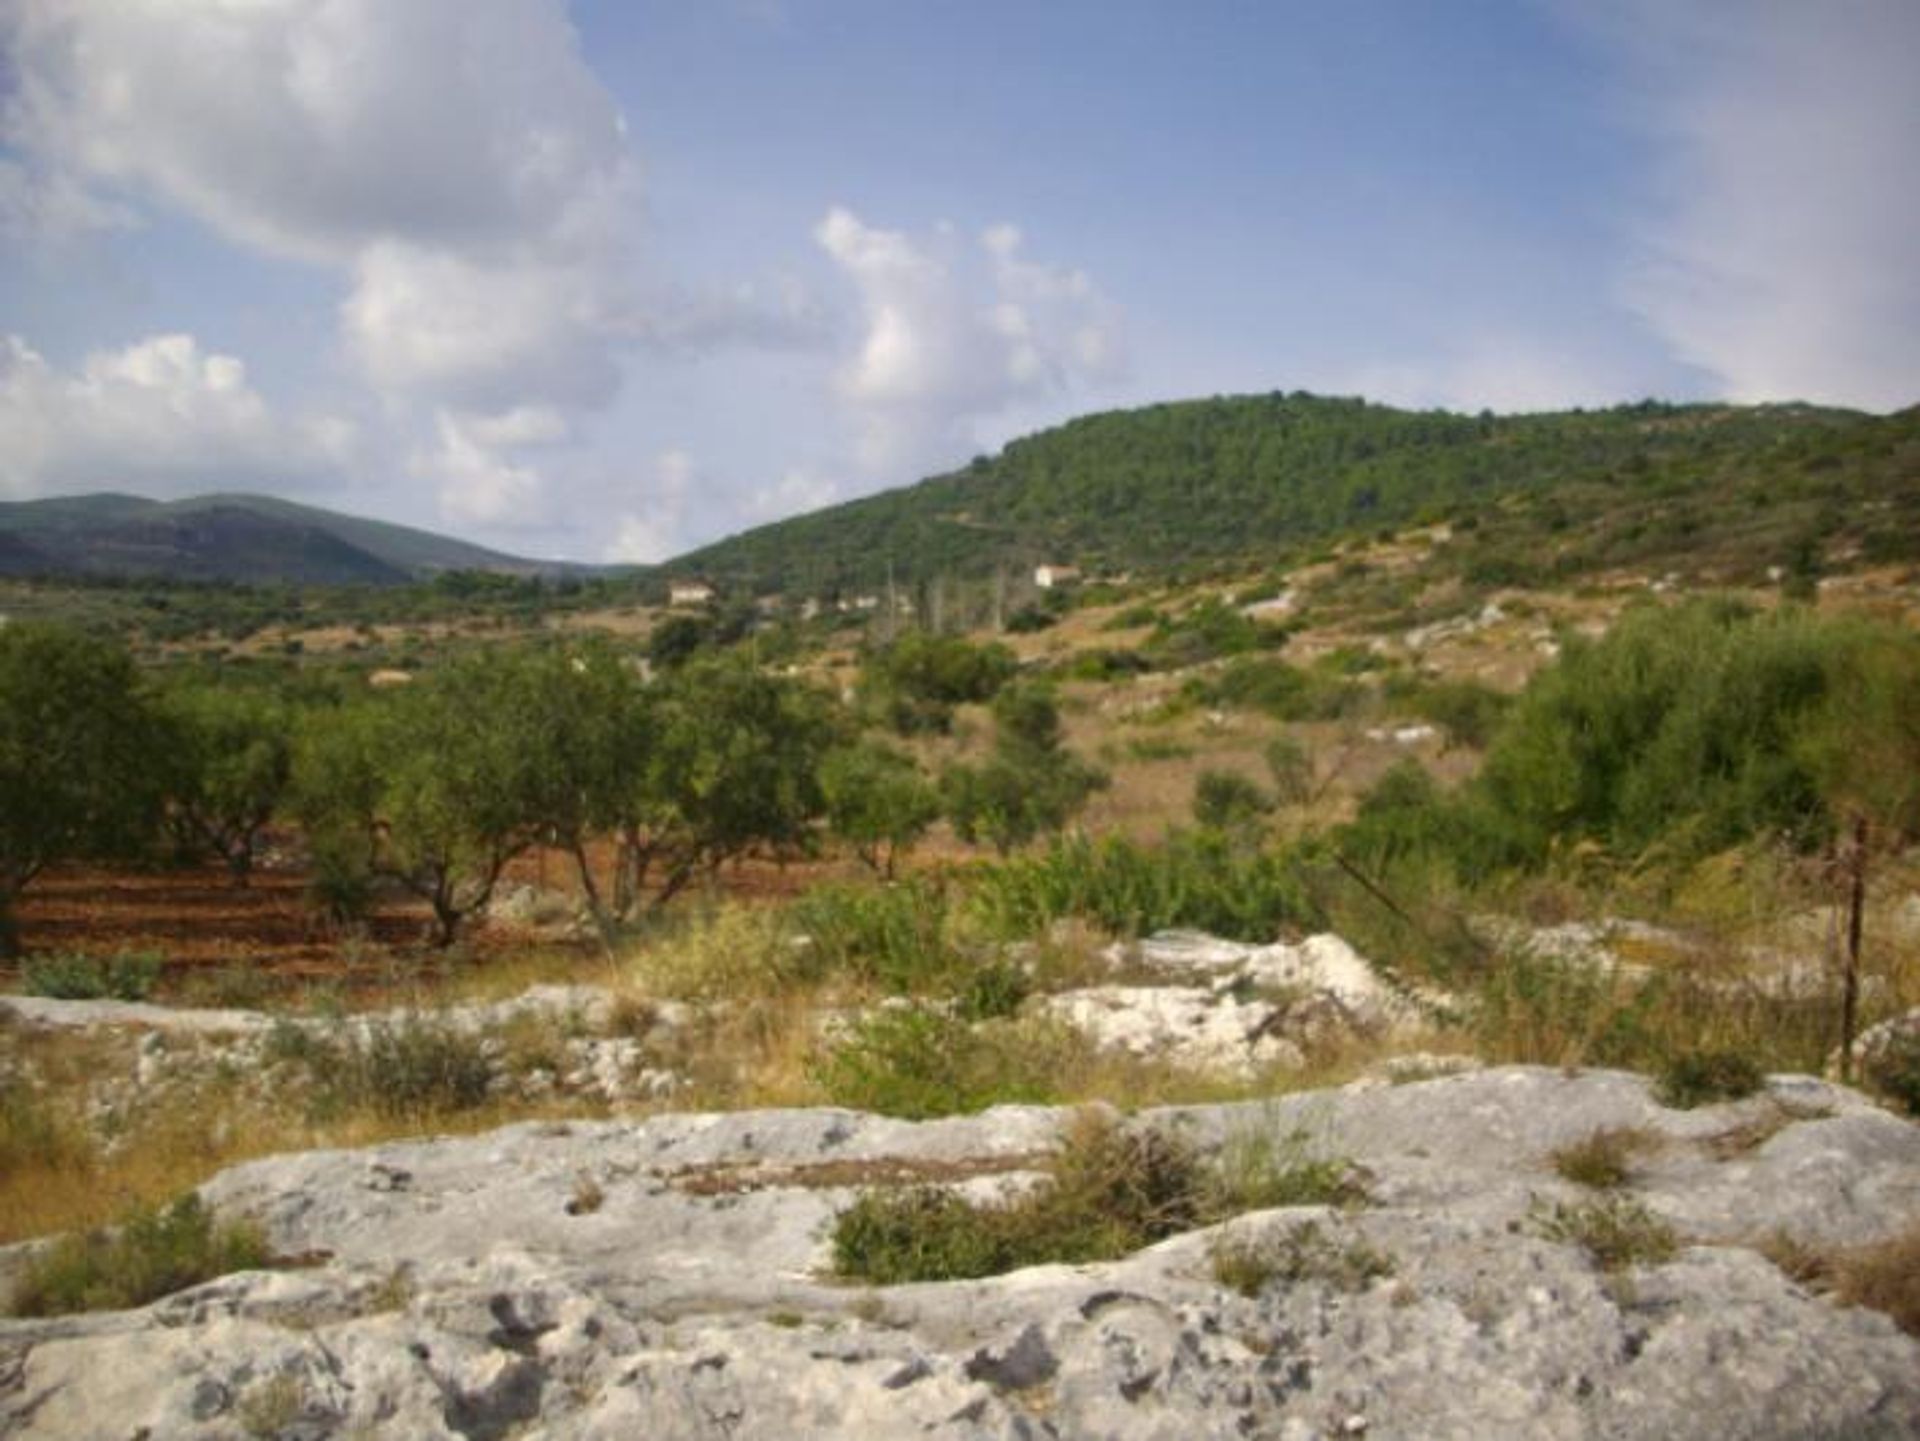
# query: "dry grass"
[1884,1277]
[1602,1159]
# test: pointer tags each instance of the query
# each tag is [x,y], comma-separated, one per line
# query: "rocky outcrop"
[1206,1004]
[669,1278]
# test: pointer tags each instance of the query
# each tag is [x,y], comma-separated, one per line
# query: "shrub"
[124,976]
[1696,1078]
[1601,1159]
[919,1061]
[410,1070]
[1614,1231]
[1196,880]
[1109,1189]
[154,1253]
[1893,1069]
[891,936]
[1226,800]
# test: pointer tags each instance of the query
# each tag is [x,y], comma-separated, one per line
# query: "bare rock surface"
[1207,1004]
[670,1278]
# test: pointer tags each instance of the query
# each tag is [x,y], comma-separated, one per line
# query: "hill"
[1266,478]
[240,538]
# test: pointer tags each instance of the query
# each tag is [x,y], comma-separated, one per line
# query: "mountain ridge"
[234,536]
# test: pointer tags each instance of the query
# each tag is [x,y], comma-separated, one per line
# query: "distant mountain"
[253,539]
[1261,479]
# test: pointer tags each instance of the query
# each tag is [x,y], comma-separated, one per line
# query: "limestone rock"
[465,1293]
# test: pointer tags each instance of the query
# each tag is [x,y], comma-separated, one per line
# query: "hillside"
[1262,478]
[240,538]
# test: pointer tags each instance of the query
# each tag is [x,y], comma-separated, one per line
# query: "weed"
[1109,1190]
[412,1069]
[1249,1264]
[1615,1231]
[124,976]
[920,1060]
[1884,1276]
[1602,1159]
[895,937]
[33,1136]
[233,987]
[269,1407]
[1258,1170]
[1893,1069]
[587,1196]
[1695,1078]
[1195,880]
[155,1252]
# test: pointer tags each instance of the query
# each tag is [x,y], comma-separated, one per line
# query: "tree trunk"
[1856,913]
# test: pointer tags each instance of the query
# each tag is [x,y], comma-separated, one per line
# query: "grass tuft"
[1616,1232]
[1602,1159]
[1303,1252]
[154,1252]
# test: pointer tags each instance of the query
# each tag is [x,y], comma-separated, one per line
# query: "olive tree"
[77,740]
[229,757]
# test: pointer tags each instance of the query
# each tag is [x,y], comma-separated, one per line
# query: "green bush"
[1193,879]
[1893,1069]
[893,936]
[154,1252]
[922,1060]
[1109,1189]
[413,1069]
[1697,1078]
[125,976]
[1227,800]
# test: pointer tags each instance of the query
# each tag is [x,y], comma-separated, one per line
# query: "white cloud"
[955,332]
[455,162]
[655,530]
[479,332]
[1779,256]
[478,484]
[160,415]
[314,128]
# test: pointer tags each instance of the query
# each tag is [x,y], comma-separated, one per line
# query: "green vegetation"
[1615,1231]
[877,802]
[1302,1252]
[1602,1160]
[1699,1078]
[152,1253]
[1199,880]
[920,1060]
[1108,1190]
[1030,786]
[124,976]
[415,1069]
[77,778]
[1536,497]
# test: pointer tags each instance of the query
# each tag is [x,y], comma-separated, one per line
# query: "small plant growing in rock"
[1109,1190]
[269,1407]
[1603,1159]
[1257,1170]
[155,1252]
[1697,1078]
[1893,1069]
[1249,1264]
[587,1196]
[1614,1231]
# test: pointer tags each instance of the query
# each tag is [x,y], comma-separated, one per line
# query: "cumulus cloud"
[1779,252]
[654,530]
[160,415]
[955,330]
[455,162]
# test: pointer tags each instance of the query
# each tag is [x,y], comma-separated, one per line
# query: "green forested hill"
[1265,477]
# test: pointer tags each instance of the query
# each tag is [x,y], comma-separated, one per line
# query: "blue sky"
[612,278]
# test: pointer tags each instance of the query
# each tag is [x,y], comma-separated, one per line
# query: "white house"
[1048,576]
[689,592]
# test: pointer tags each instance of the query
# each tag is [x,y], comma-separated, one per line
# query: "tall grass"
[1193,879]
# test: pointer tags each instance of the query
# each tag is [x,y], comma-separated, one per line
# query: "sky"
[608,279]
